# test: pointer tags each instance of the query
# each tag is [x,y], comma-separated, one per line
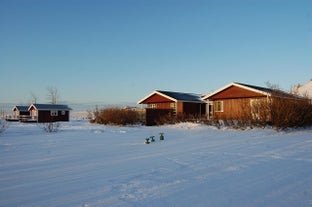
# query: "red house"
[239,100]
[161,103]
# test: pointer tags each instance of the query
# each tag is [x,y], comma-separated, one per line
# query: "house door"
[209,109]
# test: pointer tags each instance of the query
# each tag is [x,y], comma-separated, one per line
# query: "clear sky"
[115,51]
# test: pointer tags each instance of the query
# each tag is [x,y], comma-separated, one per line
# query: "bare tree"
[52,95]
[272,86]
[34,98]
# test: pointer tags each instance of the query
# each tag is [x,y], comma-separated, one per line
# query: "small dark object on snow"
[146,141]
[161,137]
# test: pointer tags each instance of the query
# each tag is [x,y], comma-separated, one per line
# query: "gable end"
[236,92]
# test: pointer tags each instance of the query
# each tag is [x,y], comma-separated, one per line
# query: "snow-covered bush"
[3,125]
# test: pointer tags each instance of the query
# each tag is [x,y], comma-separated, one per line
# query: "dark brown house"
[161,103]
[49,112]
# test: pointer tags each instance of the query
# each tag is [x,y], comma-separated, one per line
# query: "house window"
[152,106]
[63,113]
[219,106]
[54,113]
[173,105]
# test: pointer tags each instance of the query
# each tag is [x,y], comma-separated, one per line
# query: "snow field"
[196,165]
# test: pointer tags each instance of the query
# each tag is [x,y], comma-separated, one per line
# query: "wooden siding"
[164,105]
[235,109]
[235,92]
[45,116]
[180,109]
[156,98]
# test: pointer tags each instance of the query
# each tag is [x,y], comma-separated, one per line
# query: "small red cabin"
[161,103]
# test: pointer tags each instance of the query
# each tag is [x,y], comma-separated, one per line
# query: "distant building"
[20,113]
[48,112]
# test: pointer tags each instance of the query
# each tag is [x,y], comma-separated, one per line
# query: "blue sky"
[116,51]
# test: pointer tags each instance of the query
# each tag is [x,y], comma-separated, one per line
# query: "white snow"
[196,165]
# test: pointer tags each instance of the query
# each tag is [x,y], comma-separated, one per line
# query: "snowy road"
[196,165]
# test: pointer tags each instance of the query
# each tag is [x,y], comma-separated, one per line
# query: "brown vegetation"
[116,116]
[287,112]
[279,111]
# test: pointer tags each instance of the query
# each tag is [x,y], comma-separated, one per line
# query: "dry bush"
[116,116]
[281,110]
[178,118]
[290,112]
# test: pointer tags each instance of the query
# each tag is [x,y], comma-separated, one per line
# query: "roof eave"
[156,92]
[66,109]
[251,89]
[188,101]
[238,85]
[32,105]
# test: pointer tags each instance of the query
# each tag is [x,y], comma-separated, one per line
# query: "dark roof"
[21,108]
[51,107]
[185,97]
[267,90]
[273,91]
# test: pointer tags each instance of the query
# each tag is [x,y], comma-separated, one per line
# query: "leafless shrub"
[116,116]
[51,126]
[281,110]
[290,112]
[3,125]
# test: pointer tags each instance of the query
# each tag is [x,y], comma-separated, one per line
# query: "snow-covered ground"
[196,165]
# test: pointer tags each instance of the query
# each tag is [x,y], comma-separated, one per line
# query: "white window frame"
[54,113]
[219,106]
